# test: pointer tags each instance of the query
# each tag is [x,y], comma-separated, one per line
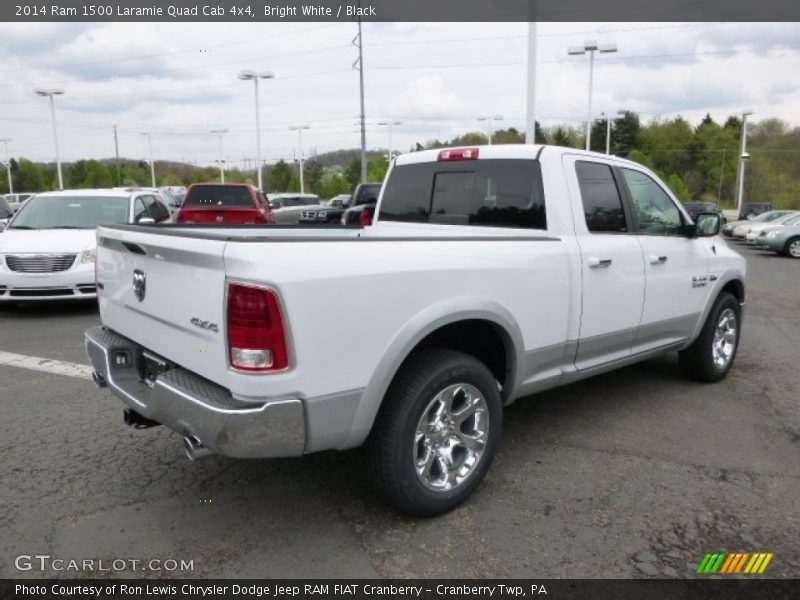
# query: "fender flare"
[417,329]
[724,279]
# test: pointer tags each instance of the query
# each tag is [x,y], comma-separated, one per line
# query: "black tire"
[697,361]
[786,248]
[392,447]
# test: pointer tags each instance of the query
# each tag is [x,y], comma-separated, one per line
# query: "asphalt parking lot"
[631,474]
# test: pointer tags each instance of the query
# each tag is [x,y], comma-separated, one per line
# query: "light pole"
[220,133]
[8,166]
[743,158]
[620,113]
[255,76]
[591,47]
[152,163]
[530,104]
[490,119]
[389,125]
[51,93]
[299,129]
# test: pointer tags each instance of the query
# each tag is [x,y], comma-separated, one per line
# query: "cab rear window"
[488,192]
[213,196]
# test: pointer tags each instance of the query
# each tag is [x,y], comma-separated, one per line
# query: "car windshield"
[298,200]
[71,212]
[768,217]
[212,196]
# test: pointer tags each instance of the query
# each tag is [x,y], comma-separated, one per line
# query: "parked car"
[750,210]
[329,212]
[762,229]
[490,274]
[6,212]
[766,217]
[225,203]
[740,231]
[172,201]
[289,207]
[695,208]
[15,201]
[365,198]
[783,240]
[48,249]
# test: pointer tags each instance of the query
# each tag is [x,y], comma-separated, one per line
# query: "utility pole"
[152,163]
[8,166]
[116,154]
[220,132]
[530,103]
[743,159]
[299,129]
[358,42]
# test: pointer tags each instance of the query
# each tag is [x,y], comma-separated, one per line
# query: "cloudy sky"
[178,81]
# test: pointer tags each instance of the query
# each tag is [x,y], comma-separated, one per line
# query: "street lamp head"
[590,45]
[745,155]
[607,48]
[622,112]
[247,75]
[49,92]
[575,51]
[266,75]
[747,112]
[296,127]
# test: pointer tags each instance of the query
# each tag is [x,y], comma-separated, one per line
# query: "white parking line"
[47,365]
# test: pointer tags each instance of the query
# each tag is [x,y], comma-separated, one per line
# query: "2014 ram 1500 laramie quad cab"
[491,273]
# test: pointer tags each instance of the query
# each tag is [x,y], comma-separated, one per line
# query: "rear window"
[488,192]
[218,195]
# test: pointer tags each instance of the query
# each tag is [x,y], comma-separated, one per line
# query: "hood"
[46,241]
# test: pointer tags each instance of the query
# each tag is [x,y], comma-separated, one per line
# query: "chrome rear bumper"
[193,406]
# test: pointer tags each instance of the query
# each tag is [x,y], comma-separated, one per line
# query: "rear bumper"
[193,406]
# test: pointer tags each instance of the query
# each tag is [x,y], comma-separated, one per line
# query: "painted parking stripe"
[46,365]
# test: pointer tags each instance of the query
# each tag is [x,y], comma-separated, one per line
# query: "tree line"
[697,162]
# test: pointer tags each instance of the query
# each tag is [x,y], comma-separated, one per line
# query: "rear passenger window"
[602,204]
[489,193]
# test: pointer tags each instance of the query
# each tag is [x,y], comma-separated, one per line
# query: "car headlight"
[772,235]
[88,256]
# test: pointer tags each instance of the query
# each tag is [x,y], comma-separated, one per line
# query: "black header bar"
[401,10]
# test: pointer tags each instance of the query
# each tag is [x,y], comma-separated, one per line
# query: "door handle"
[657,260]
[599,263]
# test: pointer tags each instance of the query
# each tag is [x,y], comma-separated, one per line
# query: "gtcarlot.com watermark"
[48,563]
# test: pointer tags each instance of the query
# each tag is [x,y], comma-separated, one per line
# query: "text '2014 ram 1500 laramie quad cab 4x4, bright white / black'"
[491,273]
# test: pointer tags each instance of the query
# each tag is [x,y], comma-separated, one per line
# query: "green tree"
[278,177]
[29,177]
[376,169]
[353,172]
[625,133]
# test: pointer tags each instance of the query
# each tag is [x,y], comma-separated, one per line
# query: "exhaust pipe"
[194,448]
[98,380]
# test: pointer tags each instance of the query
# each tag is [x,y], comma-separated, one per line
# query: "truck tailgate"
[176,305]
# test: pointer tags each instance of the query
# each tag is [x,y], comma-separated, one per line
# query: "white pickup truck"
[490,273]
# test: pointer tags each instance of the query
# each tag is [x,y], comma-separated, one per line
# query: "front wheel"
[792,248]
[711,355]
[436,434]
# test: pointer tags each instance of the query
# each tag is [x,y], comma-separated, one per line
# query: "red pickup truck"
[225,203]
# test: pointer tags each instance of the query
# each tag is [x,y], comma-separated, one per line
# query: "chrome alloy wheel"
[724,343]
[451,437]
[794,249]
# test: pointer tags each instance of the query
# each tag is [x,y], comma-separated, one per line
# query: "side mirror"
[146,221]
[706,224]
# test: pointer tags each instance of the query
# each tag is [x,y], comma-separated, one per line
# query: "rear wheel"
[436,434]
[792,248]
[711,355]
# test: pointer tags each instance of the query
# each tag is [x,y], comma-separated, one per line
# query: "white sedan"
[47,252]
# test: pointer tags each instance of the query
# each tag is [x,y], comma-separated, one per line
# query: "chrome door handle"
[657,260]
[599,263]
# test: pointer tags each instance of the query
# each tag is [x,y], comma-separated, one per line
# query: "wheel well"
[484,340]
[736,288]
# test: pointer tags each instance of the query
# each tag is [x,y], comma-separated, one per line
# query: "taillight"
[459,154]
[365,218]
[256,336]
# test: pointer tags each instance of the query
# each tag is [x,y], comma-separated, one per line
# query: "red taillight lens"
[365,218]
[459,154]
[256,337]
